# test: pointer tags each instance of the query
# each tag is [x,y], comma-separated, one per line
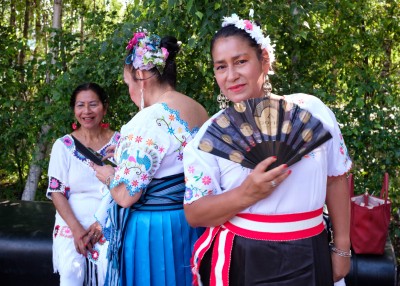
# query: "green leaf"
[199,14]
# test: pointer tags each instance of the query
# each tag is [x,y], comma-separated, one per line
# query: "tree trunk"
[35,169]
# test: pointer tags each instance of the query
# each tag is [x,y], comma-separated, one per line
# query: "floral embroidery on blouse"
[137,163]
[56,185]
[310,155]
[56,230]
[139,155]
[66,232]
[179,133]
[94,254]
[200,186]
[343,151]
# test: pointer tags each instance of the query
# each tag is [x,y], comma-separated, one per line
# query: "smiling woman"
[79,247]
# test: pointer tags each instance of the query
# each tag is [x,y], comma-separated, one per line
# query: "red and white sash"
[253,226]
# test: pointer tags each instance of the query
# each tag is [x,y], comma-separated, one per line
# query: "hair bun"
[171,44]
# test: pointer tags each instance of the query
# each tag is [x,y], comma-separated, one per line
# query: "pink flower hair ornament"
[145,52]
[254,31]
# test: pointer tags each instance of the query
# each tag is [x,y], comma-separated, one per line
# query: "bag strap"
[385,187]
[350,181]
[86,152]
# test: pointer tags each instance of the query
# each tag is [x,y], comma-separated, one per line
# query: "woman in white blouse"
[265,227]
[79,247]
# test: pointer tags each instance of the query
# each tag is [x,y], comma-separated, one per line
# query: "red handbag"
[370,218]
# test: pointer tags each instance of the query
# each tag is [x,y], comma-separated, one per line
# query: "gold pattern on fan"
[304,116]
[267,121]
[223,121]
[287,127]
[236,156]
[307,135]
[206,145]
[246,129]
[227,138]
[240,107]
[287,106]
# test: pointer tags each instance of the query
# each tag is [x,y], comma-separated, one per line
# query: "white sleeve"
[138,155]
[339,161]
[202,174]
[58,169]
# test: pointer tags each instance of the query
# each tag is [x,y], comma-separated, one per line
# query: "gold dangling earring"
[222,100]
[267,86]
[141,99]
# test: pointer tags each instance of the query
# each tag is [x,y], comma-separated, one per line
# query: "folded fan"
[255,129]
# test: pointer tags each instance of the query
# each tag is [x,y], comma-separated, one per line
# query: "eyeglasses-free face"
[238,70]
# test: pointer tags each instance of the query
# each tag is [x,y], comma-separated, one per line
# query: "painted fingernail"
[289,172]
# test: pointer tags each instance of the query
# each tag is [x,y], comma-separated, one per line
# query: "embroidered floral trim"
[176,115]
[56,185]
[177,133]
[94,254]
[56,230]
[193,191]
[66,232]
[141,165]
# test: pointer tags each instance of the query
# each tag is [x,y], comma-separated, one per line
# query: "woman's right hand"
[80,244]
[109,152]
[215,210]
[260,183]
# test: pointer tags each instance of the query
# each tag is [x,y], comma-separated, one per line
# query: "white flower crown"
[254,31]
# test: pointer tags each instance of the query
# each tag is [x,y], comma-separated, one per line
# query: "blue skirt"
[156,249]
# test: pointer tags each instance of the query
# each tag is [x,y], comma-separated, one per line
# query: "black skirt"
[304,262]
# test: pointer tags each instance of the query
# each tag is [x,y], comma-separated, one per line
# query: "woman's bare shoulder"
[190,110]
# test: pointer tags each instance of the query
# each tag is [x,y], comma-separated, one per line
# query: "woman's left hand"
[103,172]
[93,235]
[340,266]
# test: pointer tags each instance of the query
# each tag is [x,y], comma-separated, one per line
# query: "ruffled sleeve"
[139,153]
[58,167]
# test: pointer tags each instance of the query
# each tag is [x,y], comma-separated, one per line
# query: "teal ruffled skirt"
[156,249]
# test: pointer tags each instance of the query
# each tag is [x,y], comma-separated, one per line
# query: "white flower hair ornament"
[146,52]
[254,31]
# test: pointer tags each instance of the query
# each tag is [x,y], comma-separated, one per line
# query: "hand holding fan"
[255,129]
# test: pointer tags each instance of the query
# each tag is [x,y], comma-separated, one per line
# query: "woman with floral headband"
[151,241]
[265,227]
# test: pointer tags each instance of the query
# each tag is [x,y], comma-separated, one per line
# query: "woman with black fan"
[259,173]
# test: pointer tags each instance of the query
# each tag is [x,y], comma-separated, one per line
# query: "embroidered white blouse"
[69,173]
[151,146]
[304,189]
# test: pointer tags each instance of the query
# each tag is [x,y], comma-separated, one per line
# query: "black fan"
[255,129]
